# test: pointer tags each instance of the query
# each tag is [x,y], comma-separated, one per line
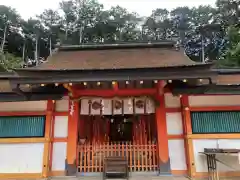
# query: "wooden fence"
[140,157]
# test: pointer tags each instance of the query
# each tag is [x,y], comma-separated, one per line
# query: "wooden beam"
[22,140]
[64,113]
[213,136]
[51,139]
[180,136]
[215,108]
[72,137]
[48,123]
[32,113]
[187,129]
[162,136]
[20,175]
[173,110]
[24,113]
[13,97]
[186,114]
[116,92]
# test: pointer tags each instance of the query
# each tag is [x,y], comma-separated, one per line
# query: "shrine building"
[147,102]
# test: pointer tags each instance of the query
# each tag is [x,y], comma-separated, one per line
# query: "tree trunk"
[66,34]
[4,38]
[203,50]
[23,52]
[81,34]
[50,45]
[36,51]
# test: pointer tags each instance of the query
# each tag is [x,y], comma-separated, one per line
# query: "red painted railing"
[140,157]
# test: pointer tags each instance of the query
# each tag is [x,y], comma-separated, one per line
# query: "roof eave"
[206,65]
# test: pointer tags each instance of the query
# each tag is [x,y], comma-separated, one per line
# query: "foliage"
[9,61]
[231,55]
[86,21]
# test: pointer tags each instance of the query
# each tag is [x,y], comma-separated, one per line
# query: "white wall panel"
[21,158]
[174,123]
[202,101]
[23,106]
[59,156]
[177,154]
[230,160]
[62,105]
[172,101]
[61,126]
[198,146]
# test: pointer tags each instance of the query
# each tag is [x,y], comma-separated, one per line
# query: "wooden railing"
[140,157]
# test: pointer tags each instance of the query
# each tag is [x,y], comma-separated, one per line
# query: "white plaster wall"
[174,123]
[172,101]
[177,154]
[201,101]
[232,160]
[21,158]
[62,105]
[61,127]
[59,156]
[23,106]
[201,162]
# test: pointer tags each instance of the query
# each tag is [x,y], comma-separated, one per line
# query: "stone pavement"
[138,177]
[131,178]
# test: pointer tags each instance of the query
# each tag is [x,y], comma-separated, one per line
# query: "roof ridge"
[168,44]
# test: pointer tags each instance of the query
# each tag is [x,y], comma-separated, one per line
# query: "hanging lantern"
[140,104]
[117,104]
[96,105]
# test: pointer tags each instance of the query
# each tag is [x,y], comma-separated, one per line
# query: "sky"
[30,8]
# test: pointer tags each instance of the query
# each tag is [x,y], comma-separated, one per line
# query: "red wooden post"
[163,154]
[73,118]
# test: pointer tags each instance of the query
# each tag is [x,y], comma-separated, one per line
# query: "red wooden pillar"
[187,130]
[163,154]
[48,126]
[73,118]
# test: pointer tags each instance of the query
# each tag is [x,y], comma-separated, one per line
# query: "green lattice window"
[22,126]
[215,122]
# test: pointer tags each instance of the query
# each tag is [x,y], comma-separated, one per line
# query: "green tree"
[51,21]
[231,56]
[69,18]
[228,12]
